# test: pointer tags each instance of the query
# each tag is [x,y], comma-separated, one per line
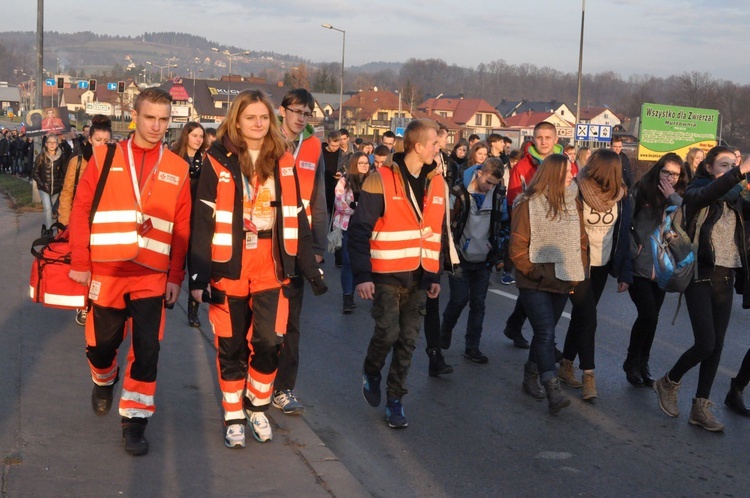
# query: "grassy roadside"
[18,192]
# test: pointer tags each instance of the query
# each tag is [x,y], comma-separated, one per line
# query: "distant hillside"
[93,53]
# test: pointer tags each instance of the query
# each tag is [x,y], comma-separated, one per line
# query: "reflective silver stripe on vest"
[114,238]
[127,216]
[397,236]
[389,254]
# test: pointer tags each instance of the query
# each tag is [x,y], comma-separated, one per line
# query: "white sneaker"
[235,436]
[260,427]
[81,315]
[287,402]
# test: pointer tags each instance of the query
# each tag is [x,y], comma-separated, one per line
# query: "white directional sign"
[582,132]
[593,132]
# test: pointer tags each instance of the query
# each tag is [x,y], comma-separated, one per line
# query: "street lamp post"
[580,64]
[229,56]
[161,69]
[343,52]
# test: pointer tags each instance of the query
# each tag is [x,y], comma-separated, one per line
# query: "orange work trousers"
[119,304]
[249,326]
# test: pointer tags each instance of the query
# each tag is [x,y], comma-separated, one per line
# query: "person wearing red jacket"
[132,256]
[544,144]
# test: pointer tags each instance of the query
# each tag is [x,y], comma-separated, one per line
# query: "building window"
[488,120]
[382,116]
[478,120]
[443,114]
[606,115]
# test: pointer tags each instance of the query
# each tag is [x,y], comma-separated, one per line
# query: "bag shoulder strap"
[102,181]
[78,172]
[702,215]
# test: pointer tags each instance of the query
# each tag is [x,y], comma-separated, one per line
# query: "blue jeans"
[47,202]
[468,285]
[544,310]
[347,278]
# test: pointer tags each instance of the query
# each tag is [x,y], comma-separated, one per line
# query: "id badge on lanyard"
[248,206]
[144,223]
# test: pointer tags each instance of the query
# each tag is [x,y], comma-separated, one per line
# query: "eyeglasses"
[666,173]
[303,114]
[363,163]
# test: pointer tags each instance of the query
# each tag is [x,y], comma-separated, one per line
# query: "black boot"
[348,304]
[734,399]
[645,371]
[133,435]
[632,370]
[193,306]
[438,366]
[101,397]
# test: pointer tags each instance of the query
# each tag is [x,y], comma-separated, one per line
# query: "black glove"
[319,287]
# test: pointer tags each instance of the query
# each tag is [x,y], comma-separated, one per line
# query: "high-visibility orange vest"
[306,162]
[400,241]
[221,244]
[114,231]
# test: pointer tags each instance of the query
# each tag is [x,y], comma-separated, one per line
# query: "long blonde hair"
[549,180]
[273,146]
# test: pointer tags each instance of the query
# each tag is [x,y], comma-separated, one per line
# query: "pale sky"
[628,37]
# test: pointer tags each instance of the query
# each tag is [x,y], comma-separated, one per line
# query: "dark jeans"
[517,318]
[709,304]
[648,298]
[544,310]
[468,285]
[398,313]
[580,338]
[286,376]
[743,376]
[432,322]
[347,279]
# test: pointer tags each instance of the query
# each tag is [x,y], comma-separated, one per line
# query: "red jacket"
[80,232]
[525,169]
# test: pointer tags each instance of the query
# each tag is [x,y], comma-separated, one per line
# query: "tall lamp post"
[580,64]
[229,56]
[161,69]
[343,52]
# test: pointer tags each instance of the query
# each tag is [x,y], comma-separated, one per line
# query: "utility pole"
[39,53]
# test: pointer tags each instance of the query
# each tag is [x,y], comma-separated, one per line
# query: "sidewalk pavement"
[52,444]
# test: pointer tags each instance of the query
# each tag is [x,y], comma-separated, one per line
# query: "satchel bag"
[49,282]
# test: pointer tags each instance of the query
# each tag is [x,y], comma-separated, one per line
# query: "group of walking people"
[249,217]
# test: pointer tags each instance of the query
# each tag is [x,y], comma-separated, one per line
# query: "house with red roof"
[471,115]
[526,121]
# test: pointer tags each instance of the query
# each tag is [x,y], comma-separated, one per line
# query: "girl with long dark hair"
[660,187]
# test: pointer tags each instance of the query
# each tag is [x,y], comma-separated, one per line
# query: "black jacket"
[49,174]
[202,268]
[620,265]
[706,192]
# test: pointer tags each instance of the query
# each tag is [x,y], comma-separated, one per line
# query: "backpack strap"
[102,180]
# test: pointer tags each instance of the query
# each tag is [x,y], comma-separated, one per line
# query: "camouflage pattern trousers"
[398,313]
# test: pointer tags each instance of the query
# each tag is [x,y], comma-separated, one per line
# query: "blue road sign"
[112,86]
[593,133]
[400,131]
[49,82]
[83,84]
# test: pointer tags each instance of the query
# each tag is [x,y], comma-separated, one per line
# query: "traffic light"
[120,87]
[92,85]
[60,83]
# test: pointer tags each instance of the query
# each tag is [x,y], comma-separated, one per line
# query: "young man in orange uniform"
[132,254]
[294,113]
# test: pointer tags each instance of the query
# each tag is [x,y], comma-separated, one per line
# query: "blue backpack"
[673,252]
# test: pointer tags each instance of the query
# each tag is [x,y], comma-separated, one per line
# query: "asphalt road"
[474,433]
